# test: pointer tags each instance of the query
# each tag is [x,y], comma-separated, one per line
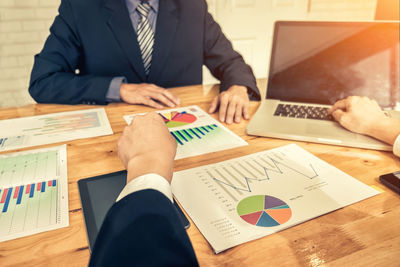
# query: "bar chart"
[29,206]
[196,132]
[33,192]
[66,122]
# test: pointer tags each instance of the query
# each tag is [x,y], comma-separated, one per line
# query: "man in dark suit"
[101,51]
[143,228]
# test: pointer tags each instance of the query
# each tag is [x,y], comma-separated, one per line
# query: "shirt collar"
[133,4]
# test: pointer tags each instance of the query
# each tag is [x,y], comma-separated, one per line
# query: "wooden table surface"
[362,234]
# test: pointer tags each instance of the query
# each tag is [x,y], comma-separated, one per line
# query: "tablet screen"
[104,192]
[98,194]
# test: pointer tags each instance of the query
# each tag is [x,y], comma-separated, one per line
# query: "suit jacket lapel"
[121,25]
[167,22]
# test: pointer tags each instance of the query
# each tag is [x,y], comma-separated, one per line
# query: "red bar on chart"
[16,192]
[39,186]
[49,183]
[4,195]
[28,189]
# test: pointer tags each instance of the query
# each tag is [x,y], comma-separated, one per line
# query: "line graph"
[243,182]
[248,197]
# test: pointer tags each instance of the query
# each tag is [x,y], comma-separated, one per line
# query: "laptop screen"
[322,62]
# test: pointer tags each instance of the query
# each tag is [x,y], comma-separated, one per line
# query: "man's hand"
[147,94]
[363,115]
[357,114]
[146,146]
[233,104]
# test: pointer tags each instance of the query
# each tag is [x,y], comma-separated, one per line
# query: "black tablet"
[98,194]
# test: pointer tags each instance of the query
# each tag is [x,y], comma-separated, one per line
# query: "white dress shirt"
[396,146]
[147,181]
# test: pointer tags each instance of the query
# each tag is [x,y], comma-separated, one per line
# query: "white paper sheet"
[196,132]
[53,128]
[33,192]
[246,198]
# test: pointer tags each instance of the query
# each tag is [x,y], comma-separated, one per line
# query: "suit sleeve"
[143,229]
[225,63]
[53,78]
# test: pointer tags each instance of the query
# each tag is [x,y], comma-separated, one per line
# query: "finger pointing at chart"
[195,131]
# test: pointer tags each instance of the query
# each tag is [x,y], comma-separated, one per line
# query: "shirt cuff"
[147,181]
[396,146]
[113,89]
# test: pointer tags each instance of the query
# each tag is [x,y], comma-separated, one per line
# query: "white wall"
[342,9]
[24,26]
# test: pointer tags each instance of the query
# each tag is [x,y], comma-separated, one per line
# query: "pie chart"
[264,211]
[176,119]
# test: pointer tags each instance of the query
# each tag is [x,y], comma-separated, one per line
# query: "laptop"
[314,64]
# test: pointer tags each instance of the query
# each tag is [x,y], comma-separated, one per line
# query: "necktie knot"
[143,9]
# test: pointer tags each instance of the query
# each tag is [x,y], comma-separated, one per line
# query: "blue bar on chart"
[6,196]
[21,191]
[3,141]
[190,134]
[32,191]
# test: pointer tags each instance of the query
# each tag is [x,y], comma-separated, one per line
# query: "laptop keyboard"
[305,112]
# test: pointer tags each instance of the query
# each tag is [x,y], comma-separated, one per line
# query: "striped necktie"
[145,35]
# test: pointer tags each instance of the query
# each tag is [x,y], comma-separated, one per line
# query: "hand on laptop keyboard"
[363,115]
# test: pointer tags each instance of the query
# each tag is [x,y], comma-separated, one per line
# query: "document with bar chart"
[33,192]
[196,132]
[239,200]
[53,128]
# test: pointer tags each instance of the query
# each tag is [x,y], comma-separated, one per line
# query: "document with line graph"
[53,128]
[33,192]
[196,132]
[239,200]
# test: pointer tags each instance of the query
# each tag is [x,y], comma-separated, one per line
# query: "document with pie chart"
[239,200]
[196,132]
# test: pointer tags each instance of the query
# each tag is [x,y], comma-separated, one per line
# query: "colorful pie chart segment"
[264,211]
[176,119]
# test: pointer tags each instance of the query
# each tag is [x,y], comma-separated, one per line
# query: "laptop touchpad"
[331,130]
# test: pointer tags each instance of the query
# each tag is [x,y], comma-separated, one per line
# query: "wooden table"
[366,233]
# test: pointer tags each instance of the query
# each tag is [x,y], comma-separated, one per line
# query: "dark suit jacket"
[96,38]
[143,229]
